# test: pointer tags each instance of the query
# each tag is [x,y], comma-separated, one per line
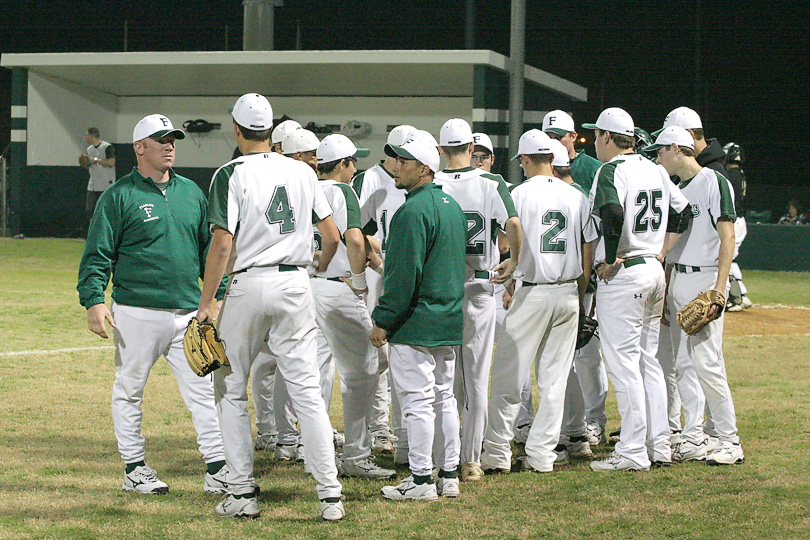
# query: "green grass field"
[61,474]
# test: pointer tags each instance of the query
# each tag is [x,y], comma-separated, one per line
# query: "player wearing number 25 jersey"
[541,324]
[638,207]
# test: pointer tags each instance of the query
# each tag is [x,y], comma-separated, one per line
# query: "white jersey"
[487,204]
[379,201]
[268,202]
[556,221]
[646,194]
[346,214]
[712,198]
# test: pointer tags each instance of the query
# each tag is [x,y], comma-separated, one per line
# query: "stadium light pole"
[517,61]
[259,24]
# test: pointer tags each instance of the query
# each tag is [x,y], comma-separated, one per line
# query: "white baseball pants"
[343,318]
[141,337]
[472,366]
[262,379]
[423,382]
[265,302]
[541,326]
[629,309]
[666,357]
[378,423]
[700,363]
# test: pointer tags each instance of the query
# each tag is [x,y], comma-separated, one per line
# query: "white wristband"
[380,269]
[359,281]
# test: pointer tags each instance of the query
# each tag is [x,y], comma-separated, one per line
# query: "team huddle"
[431,291]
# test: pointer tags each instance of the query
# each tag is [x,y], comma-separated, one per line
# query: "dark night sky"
[755,60]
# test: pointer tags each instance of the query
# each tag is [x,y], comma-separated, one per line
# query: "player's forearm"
[670,240]
[514,235]
[587,266]
[355,250]
[726,231]
[330,236]
[215,263]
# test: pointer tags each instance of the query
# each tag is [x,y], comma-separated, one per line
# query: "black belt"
[281,268]
[684,269]
[330,278]
[530,284]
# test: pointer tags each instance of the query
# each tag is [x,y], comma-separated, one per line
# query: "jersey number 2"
[475,224]
[648,200]
[279,210]
[552,244]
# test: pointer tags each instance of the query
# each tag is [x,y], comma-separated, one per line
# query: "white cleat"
[332,511]
[596,434]
[578,447]
[689,451]
[144,480]
[289,452]
[616,463]
[231,506]
[562,455]
[447,487]
[265,441]
[217,483]
[382,442]
[410,491]
[727,453]
[364,468]
[339,438]
[471,472]
[711,444]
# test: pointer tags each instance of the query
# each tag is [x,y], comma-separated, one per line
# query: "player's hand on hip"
[378,337]
[504,271]
[606,271]
[96,317]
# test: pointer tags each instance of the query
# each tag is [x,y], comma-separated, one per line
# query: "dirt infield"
[768,321]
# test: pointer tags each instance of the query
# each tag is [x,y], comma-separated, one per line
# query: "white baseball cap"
[533,142]
[336,146]
[561,158]
[155,126]
[615,120]
[253,111]
[399,134]
[426,136]
[482,139]
[559,122]
[283,129]
[417,147]
[300,140]
[683,117]
[672,134]
[455,132]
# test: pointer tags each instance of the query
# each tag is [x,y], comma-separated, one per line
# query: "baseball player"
[281,131]
[261,208]
[379,201]
[301,145]
[149,232]
[101,166]
[559,125]
[638,207]
[542,321]
[342,314]
[486,203]
[738,294]
[420,315]
[702,258]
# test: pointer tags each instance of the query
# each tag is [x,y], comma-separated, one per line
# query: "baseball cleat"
[447,487]
[659,464]
[338,437]
[144,480]
[410,491]
[241,506]
[614,436]
[217,483]
[471,472]
[332,511]
[711,444]
[595,434]
[616,463]
[689,451]
[364,468]
[289,452]
[492,467]
[746,302]
[265,441]
[562,455]
[727,453]
[526,466]
[382,442]
[578,447]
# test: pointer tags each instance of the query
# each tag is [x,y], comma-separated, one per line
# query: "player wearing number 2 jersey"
[638,206]
[487,205]
[261,208]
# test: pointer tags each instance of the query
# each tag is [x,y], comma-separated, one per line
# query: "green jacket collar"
[423,187]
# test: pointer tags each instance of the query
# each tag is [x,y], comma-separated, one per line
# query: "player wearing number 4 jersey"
[701,258]
[638,207]
[261,208]
[541,324]
[487,205]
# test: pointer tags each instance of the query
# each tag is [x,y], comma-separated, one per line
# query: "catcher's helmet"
[643,139]
[734,153]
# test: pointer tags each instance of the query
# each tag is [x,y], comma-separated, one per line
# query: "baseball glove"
[695,315]
[205,352]
[587,328]
[84,161]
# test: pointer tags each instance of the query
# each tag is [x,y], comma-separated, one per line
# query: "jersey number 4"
[552,244]
[279,210]
[648,201]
